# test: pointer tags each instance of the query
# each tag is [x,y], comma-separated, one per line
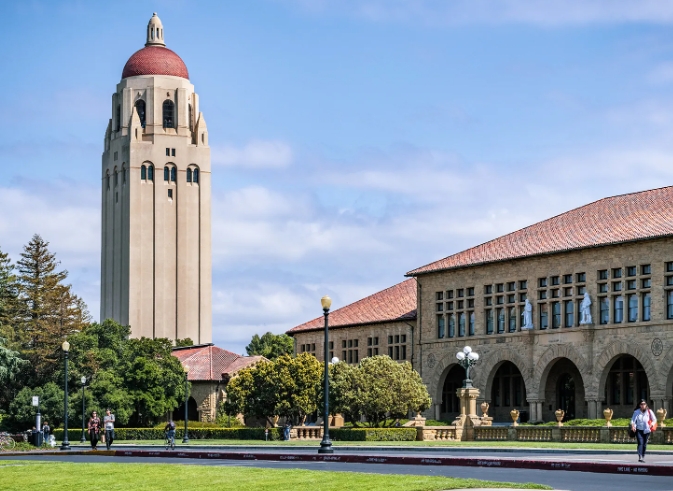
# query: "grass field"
[316,443]
[46,476]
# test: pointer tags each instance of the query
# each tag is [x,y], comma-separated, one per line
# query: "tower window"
[173,174]
[150,173]
[123,175]
[168,113]
[140,109]
[107,180]
[143,172]
[189,175]
[170,194]
[116,177]
[173,152]
[168,152]
[118,117]
[191,120]
[196,176]
[166,173]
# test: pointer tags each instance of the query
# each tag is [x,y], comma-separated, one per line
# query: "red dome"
[155,60]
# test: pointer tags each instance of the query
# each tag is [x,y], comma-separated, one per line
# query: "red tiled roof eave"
[646,215]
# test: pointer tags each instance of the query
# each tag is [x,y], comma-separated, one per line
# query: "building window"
[618,316]
[617,286]
[542,282]
[646,269]
[471,328]
[669,267]
[143,173]
[118,123]
[489,319]
[512,319]
[397,351]
[440,326]
[449,305]
[150,173]
[567,279]
[461,324]
[647,283]
[439,296]
[372,346]
[570,313]
[440,307]
[605,310]
[460,293]
[544,316]
[166,174]
[603,274]
[617,273]
[631,271]
[581,277]
[581,290]
[542,295]
[449,294]
[631,285]
[500,287]
[555,280]
[168,114]
[556,315]
[170,194]
[470,292]
[174,172]
[522,297]
[140,109]
[633,308]
[669,304]
[452,326]
[567,292]
[501,320]
[647,306]
[603,288]
[488,289]
[168,152]
[172,152]
[511,286]
[189,175]
[523,285]
[191,118]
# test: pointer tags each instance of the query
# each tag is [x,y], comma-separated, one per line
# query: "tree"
[11,365]
[378,389]
[22,412]
[270,345]
[9,298]
[51,311]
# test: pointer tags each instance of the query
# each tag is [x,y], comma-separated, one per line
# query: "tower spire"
[155,32]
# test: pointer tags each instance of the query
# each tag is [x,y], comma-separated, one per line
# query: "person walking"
[109,422]
[94,430]
[46,431]
[642,423]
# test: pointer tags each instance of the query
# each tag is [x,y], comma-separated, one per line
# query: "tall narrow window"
[619,310]
[512,319]
[633,308]
[116,178]
[440,326]
[118,118]
[452,326]
[605,310]
[461,324]
[189,175]
[471,328]
[140,109]
[174,173]
[544,316]
[647,306]
[150,173]
[143,172]
[570,313]
[501,320]
[669,304]
[168,114]
[555,315]
[166,174]
[123,174]
[489,321]
[196,176]
[191,118]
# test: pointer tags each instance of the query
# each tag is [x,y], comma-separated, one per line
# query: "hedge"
[195,433]
[374,434]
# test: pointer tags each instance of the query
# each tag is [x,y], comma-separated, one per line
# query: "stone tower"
[156,223]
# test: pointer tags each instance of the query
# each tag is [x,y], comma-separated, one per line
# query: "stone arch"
[548,359]
[491,361]
[607,357]
[434,377]
[666,365]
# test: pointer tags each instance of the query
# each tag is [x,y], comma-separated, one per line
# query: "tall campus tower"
[156,225]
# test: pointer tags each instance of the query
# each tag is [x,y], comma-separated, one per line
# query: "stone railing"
[306,432]
[490,433]
[620,434]
[434,433]
[534,434]
[667,435]
[580,434]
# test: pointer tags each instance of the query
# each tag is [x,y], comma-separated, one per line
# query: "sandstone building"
[155,182]
[617,252]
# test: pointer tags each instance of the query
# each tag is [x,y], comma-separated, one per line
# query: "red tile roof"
[395,303]
[208,362]
[155,60]
[614,220]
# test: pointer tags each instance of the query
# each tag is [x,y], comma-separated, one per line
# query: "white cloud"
[256,154]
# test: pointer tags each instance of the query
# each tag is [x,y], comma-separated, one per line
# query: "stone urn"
[484,409]
[275,421]
[661,416]
[514,413]
[560,414]
[607,414]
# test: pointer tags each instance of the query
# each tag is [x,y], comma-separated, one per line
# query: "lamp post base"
[326,446]
[83,439]
[65,446]
[185,440]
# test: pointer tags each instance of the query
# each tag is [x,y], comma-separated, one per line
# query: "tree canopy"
[270,345]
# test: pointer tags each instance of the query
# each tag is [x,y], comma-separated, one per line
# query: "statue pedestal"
[468,418]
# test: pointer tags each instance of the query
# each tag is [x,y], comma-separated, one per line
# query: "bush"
[194,433]
[192,424]
[374,434]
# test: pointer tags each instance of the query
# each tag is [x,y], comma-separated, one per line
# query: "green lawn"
[316,443]
[46,476]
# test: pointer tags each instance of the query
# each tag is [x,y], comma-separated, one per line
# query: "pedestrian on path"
[94,430]
[109,421]
[642,423]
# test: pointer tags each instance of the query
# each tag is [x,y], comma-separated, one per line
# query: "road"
[572,481]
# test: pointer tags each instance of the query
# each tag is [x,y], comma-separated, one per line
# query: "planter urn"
[560,413]
[607,414]
[484,409]
[661,416]
[514,413]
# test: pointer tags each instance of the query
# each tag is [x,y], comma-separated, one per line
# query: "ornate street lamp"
[185,438]
[66,444]
[466,359]
[326,443]
[83,439]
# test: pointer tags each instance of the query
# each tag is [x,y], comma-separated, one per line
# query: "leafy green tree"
[344,390]
[9,299]
[181,343]
[11,365]
[51,311]
[270,345]
[22,412]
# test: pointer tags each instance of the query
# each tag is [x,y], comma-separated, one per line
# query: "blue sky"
[352,141]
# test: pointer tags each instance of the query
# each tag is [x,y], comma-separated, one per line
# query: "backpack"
[653,426]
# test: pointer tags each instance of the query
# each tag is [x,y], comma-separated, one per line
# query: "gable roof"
[392,304]
[613,220]
[209,363]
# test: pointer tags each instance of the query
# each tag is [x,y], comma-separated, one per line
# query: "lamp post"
[66,444]
[466,359]
[326,444]
[185,438]
[83,439]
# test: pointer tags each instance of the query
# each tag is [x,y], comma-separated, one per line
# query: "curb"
[597,467]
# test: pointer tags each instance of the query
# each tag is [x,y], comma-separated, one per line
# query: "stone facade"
[581,357]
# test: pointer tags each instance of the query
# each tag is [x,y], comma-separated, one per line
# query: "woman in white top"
[109,422]
[642,421]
